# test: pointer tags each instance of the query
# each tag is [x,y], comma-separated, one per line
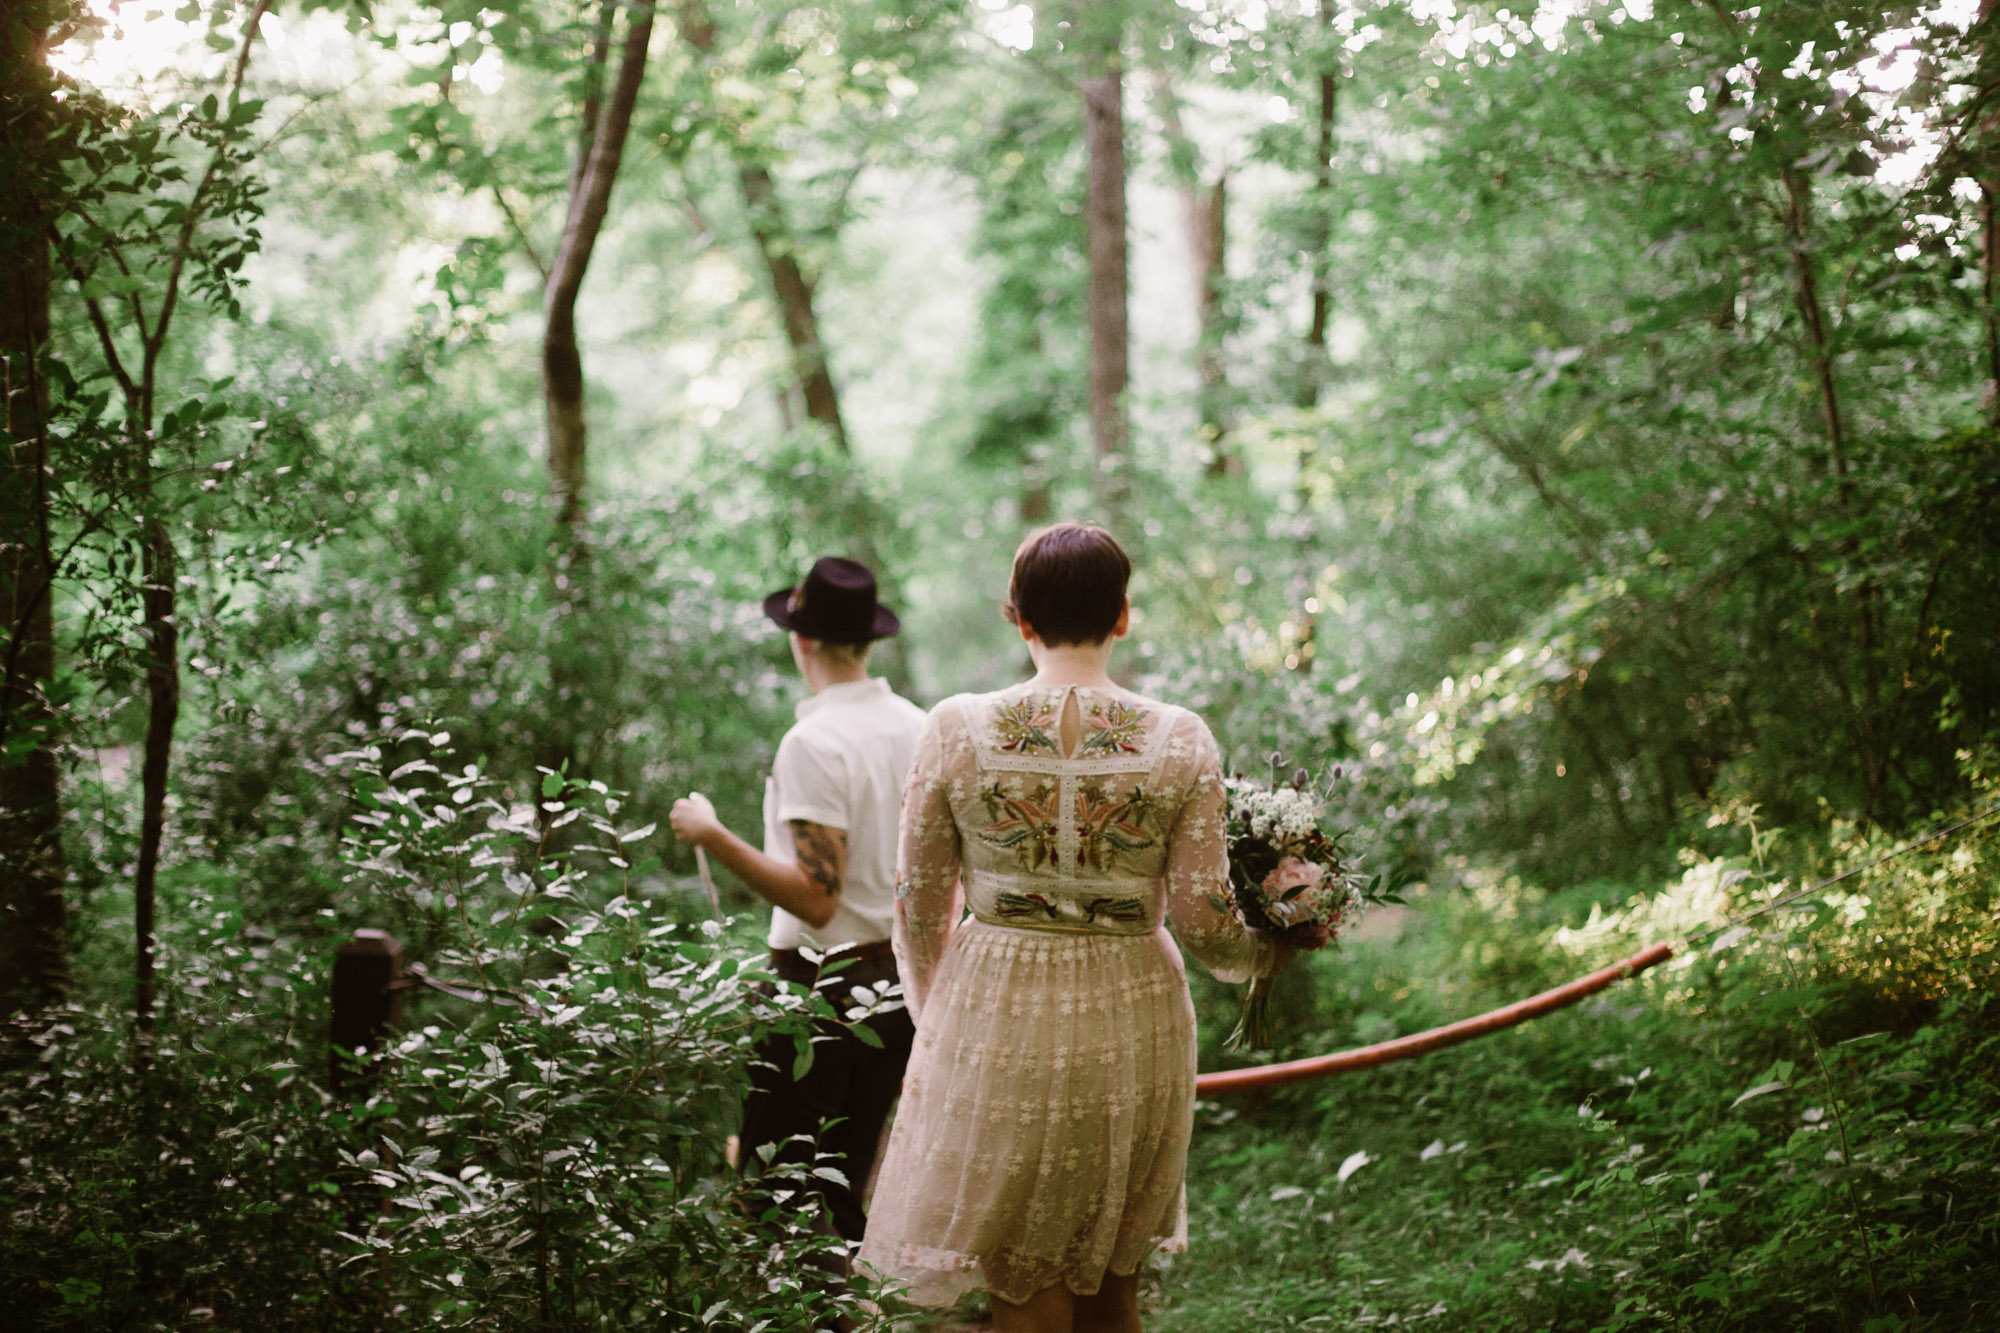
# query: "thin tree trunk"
[163,705]
[1989,263]
[790,285]
[593,95]
[1314,370]
[1104,224]
[158,578]
[1989,260]
[1798,238]
[31,863]
[1204,215]
[1213,213]
[1805,277]
[562,361]
[794,292]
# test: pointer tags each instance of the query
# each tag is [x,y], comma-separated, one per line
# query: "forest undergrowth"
[1789,1127]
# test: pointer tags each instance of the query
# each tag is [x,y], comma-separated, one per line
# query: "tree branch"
[592,200]
[97,321]
[593,97]
[184,243]
[520,232]
[117,257]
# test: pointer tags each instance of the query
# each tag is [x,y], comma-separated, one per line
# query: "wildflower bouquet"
[1290,881]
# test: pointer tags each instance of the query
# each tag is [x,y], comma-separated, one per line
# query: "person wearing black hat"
[828,869]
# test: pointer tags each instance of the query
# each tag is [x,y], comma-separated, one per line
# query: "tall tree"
[1989,227]
[777,247]
[1313,370]
[159,253]
[794,292]
[598,157]
[1204,218]
[1100,32]
[31,867]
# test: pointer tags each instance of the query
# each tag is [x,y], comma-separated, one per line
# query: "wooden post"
[367,1003]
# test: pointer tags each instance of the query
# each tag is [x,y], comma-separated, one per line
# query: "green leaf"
[1774,1085]
[551,784]
[802,1043]
[866,1034]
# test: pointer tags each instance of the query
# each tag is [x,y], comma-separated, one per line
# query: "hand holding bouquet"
[1289,879]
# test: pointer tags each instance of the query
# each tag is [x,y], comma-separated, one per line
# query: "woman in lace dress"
[1041,1145]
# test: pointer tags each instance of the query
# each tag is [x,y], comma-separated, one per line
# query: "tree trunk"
[790,286]
[1313,371]
[1989,262]
[1819,340]
[593,95]
[794,292]
[1204,214]
[1211,214]
[1989,244]
[1104,223]
[1805,278]
[31,864]
[159,575]
[163,705]
[590,200]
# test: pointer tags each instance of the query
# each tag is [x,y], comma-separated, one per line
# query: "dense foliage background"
[1570,434]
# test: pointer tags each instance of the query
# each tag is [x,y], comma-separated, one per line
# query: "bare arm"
[809,890]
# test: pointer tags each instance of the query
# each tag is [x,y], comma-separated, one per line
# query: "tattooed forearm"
[822,854]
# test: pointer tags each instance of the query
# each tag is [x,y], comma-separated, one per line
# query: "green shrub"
[543,1151]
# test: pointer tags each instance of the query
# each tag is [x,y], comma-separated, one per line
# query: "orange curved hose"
[1423,1043]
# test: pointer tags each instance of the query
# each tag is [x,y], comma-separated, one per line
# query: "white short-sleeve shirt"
[843,765]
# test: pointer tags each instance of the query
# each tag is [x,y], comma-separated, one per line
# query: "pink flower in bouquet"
[1301,916]
[1292,873]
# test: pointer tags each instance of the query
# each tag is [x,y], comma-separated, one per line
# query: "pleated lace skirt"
[1046,1112]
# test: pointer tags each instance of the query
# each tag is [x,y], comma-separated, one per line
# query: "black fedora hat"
[836,603]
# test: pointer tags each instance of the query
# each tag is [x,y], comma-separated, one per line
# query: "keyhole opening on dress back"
[1070,728]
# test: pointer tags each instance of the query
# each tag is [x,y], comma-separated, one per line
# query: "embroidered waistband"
[1074,907]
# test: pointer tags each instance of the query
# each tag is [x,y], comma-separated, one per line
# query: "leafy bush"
[544,1152]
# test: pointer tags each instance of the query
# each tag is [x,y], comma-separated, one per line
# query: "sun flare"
[130,46]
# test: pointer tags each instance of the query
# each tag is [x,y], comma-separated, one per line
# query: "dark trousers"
[850,1082]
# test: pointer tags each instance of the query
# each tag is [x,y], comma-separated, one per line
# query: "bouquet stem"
[1253,1029]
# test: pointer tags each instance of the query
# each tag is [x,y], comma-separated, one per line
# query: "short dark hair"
[1069,584]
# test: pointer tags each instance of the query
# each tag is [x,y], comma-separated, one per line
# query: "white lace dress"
[1047,1108]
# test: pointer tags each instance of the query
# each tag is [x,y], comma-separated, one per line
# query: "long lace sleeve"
[929,900]
[1197,872]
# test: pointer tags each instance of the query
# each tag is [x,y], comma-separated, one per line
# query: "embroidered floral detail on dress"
[1023,726]
[1019,906]
[1115,909]
[1024,824]
[1116,728]
[1108,825]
